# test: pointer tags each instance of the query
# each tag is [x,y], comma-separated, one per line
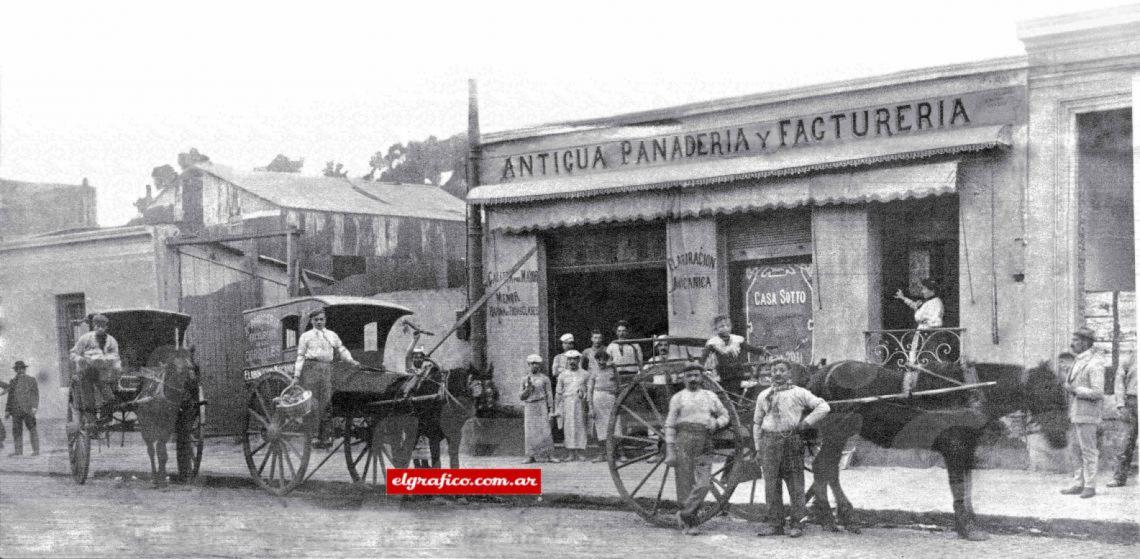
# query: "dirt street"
[49,516]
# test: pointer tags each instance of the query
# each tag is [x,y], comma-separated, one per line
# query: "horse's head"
[180,373]
[1044,400]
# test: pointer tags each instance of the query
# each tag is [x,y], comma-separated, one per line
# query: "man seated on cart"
[318,348]
[96,358]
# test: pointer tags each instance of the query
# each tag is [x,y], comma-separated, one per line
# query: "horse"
[437,418]
[169,382]
[950,423]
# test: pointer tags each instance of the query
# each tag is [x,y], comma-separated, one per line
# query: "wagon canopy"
[343,309]
[140,331]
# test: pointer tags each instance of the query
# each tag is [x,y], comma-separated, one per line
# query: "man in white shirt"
[777,428]
[626,358]
[316,351]
[695,413]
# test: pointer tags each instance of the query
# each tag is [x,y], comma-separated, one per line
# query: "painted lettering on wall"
[756,139]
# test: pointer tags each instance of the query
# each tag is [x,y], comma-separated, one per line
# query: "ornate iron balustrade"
[898,348]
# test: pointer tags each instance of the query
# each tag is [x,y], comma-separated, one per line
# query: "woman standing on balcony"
[927,316]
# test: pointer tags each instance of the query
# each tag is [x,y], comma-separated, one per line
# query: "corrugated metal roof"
[343,195]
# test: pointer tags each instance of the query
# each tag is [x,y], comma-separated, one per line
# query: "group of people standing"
[579,393]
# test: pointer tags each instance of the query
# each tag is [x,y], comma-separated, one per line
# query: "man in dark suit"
[23,400]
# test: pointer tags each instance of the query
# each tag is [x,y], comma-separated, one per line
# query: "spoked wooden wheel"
[365,453]
[190,439]
[635,448]
[277,445]
[749,493]
[78,442]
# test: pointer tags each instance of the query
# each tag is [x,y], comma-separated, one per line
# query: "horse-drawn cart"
[153,387]
[946,412]
[635,445]
[369,404]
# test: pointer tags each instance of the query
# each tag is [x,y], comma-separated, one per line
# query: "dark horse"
[950,424]
[169,386]
[446,407]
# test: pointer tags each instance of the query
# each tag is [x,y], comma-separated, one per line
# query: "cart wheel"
[190,439]
[365,453]
[78,443]
[276,446]
[749,494]
[635,448]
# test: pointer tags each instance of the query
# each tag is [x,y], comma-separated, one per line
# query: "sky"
[109,90]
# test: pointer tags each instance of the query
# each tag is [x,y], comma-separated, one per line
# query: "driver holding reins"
[416,361]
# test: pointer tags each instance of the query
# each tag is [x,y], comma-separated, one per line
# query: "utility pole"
[475,287]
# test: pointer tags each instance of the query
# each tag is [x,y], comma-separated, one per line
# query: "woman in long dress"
[571,403]
[538,406]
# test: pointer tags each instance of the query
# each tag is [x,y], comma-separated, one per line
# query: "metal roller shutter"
[774,234]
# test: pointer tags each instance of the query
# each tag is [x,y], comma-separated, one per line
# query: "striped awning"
[878,184]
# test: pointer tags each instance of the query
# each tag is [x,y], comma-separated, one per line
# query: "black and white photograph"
[586,279]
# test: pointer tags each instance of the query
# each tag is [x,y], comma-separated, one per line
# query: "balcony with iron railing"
[899,348]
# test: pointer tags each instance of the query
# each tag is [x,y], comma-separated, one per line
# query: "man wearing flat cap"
[1085,385]
[96,358]
[23,400]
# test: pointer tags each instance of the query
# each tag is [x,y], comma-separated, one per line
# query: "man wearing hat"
[23,400]
[538,407]
[777,426]
[1085,385]
[96,358]
[559,363]
[317,349]
[695,413]
[571,401]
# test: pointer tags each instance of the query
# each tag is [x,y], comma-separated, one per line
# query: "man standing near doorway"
[1085,384]
[626,358]
[1126,408]
[602,388]
[559,362]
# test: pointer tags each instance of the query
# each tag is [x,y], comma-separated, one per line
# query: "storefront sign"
[760,138]
[778,303]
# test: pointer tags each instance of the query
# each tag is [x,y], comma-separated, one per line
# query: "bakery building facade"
[801,213]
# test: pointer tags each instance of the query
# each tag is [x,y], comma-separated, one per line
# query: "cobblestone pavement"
[51,516]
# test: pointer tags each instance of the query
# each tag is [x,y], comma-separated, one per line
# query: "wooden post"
[475,288]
